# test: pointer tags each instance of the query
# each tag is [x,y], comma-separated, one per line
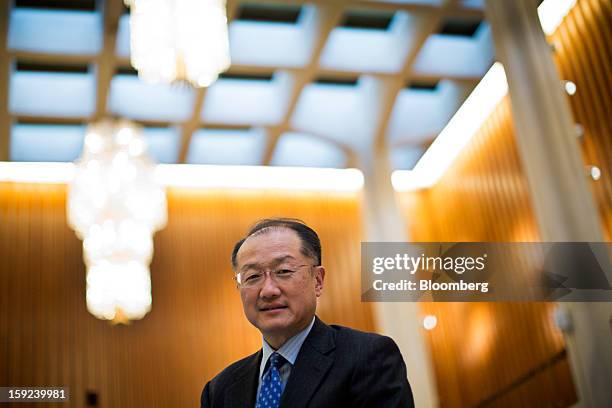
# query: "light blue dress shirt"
[289,351]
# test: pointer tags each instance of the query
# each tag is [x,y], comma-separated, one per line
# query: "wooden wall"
[489,354]
[493,354]
[196,326]
[583,55]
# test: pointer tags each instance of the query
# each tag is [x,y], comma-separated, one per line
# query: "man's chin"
[274,322]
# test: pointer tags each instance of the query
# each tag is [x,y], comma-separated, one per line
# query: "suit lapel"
[242,393]
[311,365]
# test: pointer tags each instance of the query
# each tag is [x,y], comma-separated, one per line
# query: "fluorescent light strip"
[259,177]
[36,172]
[456,135]
[205,176]
[471,115]
[552,13]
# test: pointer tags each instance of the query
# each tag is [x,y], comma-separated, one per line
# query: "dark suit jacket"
[336,367]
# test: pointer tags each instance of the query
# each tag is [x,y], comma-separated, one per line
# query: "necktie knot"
[276,360]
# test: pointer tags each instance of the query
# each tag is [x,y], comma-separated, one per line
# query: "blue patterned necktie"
[271,386]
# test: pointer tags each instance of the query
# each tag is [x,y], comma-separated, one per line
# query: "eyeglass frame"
[272,273]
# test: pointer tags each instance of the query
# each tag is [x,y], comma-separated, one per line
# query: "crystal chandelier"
[179,40]
[115,207]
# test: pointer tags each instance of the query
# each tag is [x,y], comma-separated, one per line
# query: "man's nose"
[270,287]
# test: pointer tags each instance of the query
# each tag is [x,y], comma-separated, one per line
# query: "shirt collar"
[289,350]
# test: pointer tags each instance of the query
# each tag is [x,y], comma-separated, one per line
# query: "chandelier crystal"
[179,40]
[115,206]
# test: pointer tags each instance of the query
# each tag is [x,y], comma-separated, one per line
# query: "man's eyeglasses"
[253,278]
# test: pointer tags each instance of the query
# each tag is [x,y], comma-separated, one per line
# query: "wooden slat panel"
[583,55]
[484,197]
[481,349]
[196,326]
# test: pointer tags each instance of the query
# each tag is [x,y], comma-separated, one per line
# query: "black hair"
[311,245]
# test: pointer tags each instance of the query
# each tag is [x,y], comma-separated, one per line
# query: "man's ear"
[319,275]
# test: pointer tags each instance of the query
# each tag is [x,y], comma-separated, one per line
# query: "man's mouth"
[270,308]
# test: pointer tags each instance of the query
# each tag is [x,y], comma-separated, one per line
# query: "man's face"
[283,307]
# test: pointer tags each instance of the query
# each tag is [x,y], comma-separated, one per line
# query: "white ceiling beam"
[191,125]
[105,62]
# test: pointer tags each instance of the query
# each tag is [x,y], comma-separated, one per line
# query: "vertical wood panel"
[196,325]
[515,355]
[483,352]
[583,55]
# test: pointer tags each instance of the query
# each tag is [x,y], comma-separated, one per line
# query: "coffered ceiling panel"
[134,99]
[52,94]
[227,146]
[49,143]
[42,30]
[243,100]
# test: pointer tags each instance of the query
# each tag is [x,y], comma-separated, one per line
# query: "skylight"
[272,13]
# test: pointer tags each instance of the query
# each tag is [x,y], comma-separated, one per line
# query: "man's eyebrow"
[283,258]
[276,261]
[249,266]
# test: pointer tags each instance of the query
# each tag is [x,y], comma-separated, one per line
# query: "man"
[303,362]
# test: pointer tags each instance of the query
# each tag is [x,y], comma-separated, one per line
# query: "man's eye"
[282,272]
[253,277]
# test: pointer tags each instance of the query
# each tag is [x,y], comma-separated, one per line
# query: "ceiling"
[311,83]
